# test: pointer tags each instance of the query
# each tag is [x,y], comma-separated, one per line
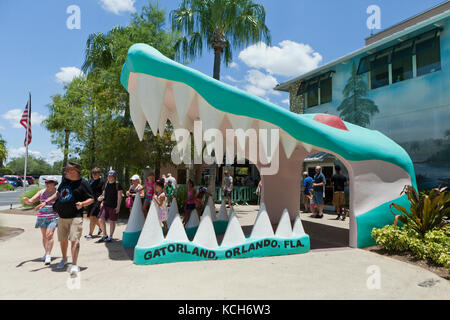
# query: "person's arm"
[88,194]
[34,198]
[128,192]
[119,199]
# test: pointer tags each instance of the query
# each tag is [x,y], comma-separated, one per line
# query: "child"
[135,187]
[170,190]
[160,199]
[201,200]
[149,187]
[190,203]
[47,219]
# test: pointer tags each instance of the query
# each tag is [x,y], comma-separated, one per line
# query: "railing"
[240,195]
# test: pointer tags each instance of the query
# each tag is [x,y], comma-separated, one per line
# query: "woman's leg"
[44,239]
[92,224]
[187,215]
[49,247]
[112,227]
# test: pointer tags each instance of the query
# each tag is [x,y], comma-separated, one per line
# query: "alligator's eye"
[331,120]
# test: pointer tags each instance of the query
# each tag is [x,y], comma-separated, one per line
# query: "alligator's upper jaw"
[155,100]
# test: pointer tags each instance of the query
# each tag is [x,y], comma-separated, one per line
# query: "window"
[318,90]
[325,90]
[313,94]
[414,57]
[428,55]
[379,74]
[402,63]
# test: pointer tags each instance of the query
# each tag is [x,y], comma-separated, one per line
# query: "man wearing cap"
[74,194]
[110,199]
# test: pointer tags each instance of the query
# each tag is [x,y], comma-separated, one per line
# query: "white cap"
[135,177]
[51,178]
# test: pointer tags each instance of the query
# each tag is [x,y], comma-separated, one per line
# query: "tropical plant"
[29,194]
[221,25]
[427,211]
[3,151]
[355,107]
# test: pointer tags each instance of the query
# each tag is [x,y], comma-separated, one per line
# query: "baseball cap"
[135,177]
[51,178]
[111,173]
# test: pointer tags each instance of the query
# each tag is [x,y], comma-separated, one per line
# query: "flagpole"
[26,144]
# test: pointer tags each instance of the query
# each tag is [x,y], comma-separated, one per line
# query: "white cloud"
[67,74]
[260,84]
[54,155]
[286,101]
[20,152]
[118,6]
[230,78]
[233,65]
[14,116]
[288,59]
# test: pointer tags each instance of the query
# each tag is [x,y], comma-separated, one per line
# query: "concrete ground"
[330,271]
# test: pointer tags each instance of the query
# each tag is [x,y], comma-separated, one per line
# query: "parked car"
[30,179]
[3,181]
[15,184]
[15,179]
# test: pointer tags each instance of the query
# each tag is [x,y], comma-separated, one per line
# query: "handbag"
[129,202]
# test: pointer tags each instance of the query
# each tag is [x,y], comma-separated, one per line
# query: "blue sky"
[39,52]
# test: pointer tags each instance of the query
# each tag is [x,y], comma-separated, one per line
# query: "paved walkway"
[109,273]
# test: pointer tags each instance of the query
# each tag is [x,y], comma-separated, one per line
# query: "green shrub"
[181,196]
[427,210]
[434,245]
[29,194]
[6,187]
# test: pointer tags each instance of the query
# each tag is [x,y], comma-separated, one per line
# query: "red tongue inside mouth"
[331,120]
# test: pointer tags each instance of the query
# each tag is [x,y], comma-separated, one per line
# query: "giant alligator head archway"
[161,89]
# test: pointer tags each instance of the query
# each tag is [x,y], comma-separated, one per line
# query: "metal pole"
[26,144]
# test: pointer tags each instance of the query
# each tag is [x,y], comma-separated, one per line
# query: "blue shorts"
[318,197]
[46,223]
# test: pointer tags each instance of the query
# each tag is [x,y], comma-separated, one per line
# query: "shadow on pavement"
[117,252]
[326,237]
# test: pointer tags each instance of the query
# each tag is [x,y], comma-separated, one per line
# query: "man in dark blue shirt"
[319,190]
[307,186]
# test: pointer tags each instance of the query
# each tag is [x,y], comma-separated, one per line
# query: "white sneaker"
[48,259]
[74,269]
[43,257]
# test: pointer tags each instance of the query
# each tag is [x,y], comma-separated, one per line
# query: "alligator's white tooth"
[136,220]
[206,212]
[266,135]
[239,122]
[262,207]
[173,211]
[151,93]
[151,234]
[223,212]
[284,228]
[193,220]
[234,234]
[163,120]
[262,227]
[183,96]
[288,142]
[307,146]
[212,208]
[211,118]
[298,227]
[205,235]
[137,115]
[176,231]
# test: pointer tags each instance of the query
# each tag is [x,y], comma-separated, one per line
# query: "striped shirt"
[47,210]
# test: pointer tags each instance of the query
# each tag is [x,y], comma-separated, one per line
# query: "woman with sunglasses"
[47,218]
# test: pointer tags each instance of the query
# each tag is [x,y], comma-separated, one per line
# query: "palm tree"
[3,151]
[222,25]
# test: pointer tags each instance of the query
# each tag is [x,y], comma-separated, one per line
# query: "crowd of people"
[61,207]
[313,191]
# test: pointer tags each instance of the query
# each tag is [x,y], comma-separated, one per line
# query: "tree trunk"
[66,148]
[216,72]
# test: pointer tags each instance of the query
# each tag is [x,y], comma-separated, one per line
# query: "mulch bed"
[7,232]
[410,258]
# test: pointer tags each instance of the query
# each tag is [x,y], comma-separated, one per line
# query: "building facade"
[398,84]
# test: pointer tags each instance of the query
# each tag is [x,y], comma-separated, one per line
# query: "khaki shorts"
[70,229]
[338,198]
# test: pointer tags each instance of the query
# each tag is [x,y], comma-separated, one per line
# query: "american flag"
[26,119]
